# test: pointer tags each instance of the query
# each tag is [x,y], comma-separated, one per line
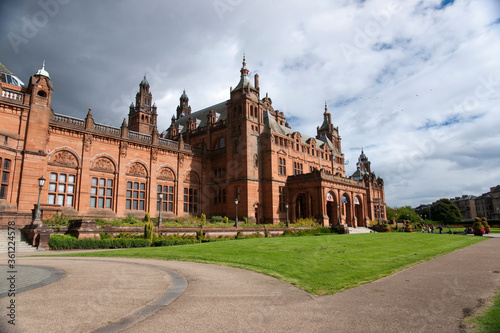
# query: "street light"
[161,208]
[287,220]
[236,221]
[41,182]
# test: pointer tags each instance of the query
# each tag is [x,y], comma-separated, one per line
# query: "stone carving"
[123,149]
[87,141]
[103,164]
[166,173]
[154,154]
[192,177]
[181,160]
[65,157]
[137,169]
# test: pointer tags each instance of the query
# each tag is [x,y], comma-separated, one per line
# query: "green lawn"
[489,322]
[318,264]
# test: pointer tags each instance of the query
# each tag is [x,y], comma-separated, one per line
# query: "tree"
[445,211]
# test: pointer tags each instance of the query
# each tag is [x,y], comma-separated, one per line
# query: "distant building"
[467,206]
[239,149]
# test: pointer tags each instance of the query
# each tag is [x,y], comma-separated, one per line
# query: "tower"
[183,109]
[143,116]
[328,130]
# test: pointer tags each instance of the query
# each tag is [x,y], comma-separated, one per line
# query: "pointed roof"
[144,81]
[244,79]
[42,71]
[184,97]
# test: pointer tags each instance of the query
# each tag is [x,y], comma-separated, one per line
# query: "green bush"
[217,219]
[307,222]
[148,228]
[104,235]
[58,220]
[199,235]
[66,242]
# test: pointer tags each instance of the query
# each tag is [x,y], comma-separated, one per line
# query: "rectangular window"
[191,200]
[282,199]
[281,166]
[167,203]
[101,193]
[136,195]
[61,189]
[5,171]
[297,168]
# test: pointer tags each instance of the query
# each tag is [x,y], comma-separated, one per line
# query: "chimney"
[256,80]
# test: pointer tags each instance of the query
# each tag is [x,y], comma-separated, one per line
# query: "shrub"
[203,219]
[305,222]
[104,235]
[130,219]
[58,220]
[199,235]
[66,242]
[478,226]
[217,219]
[266,232]
[226,219]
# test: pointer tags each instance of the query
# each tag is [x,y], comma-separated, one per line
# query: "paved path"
[140,295]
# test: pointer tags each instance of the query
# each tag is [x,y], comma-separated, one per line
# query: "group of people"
[430,228]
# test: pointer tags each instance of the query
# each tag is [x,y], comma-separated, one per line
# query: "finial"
[43,64]
[243,57]
[326,107]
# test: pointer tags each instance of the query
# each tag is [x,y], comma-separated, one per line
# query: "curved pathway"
[141,295]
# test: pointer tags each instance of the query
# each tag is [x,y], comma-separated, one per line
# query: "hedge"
[65,242]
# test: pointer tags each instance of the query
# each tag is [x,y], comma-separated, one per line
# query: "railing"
[12,95]
[169,143]
[139,136]
[68,120]
[108,129]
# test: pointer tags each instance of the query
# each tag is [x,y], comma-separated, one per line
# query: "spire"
[326,107]
[42,71]
[244,71]
[244,79]
[144,81]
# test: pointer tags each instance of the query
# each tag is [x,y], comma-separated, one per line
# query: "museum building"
[239,157]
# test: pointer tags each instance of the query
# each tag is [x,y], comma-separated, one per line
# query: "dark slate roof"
[5,70]
[201,116]
[270,122]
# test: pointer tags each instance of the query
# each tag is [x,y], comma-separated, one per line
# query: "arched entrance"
[346,210]
[358,212]
[301,206]
[332,209]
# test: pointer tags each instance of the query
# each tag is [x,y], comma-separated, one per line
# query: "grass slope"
[318,264]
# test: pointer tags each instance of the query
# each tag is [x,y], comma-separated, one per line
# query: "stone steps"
[359,230]
[21,243]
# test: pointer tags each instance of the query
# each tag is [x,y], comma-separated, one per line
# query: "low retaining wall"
[86,228]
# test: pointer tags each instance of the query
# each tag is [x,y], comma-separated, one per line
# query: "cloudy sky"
[416,83]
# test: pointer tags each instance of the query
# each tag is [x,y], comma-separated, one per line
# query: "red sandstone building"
[238,149]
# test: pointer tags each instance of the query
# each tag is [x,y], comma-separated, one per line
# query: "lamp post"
[161,208]
[287,220]
[38,221]
[236,220]
[338,213]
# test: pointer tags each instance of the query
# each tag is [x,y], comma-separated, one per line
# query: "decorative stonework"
[103,164]
[137,169]
[154,154]
[65,157]
[87,141]
[123,149]
[191,177]
[166,173]
[181,160]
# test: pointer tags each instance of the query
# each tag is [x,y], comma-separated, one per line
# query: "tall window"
[282,199]
[136,195]
[61,189]
[168,198]
[5,171]
[219,196]
[191,200]
[101,193]
[297,168]
[281,166]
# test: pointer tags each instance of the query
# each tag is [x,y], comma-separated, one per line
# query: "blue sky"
[415,83]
